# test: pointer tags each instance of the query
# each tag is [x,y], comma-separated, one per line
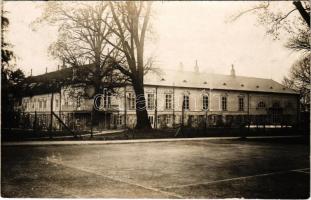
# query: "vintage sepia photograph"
[155,99]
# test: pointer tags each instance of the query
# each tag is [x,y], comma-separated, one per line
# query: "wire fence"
[82,121]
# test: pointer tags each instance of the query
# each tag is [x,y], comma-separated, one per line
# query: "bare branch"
[261,6]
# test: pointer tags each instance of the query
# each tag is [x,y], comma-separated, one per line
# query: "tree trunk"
[97,101]
[304,14]
[95,110]
[141,112]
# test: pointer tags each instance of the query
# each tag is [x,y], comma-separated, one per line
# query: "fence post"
[92,123]
[51,119]
[264,123]
[248,115]
[205,121]
[35,123]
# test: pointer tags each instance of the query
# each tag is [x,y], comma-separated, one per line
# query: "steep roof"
[215,81]
[48,82]
[43,84]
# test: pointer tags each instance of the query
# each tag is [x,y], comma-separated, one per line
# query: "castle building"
[172,97]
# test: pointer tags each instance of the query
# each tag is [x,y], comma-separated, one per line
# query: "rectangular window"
[150,103]
[131,100]
[119,120]
[168,101]
[25,104]
[44,103]
[241,103]
[205,102]
[224,103]
[56,103]
[186,102]
[35,104]
[40,104]
[168,119]
[151,120]
[107,100]
[78,102]
[66,101]
[159,120]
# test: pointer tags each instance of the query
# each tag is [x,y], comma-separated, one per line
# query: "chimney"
[232,72]
[181,67]
[30,72]
[46,70]
[196,67]
[57,67]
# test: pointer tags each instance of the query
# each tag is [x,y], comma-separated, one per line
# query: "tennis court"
[170,169]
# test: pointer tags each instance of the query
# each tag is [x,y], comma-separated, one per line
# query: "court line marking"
[119,180]
[237,178]
[89,142]
[301,170]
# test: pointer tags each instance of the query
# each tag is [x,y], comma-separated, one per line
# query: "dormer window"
[224,84]
[204,82]
[283,88]
[242,85]
[185,81]
[257,86]
[271,87]
[162,79]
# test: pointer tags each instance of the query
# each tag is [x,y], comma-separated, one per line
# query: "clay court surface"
[175,169]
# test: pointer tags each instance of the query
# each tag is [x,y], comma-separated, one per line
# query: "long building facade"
[173,97]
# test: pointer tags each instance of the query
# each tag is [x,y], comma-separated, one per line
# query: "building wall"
[41,103]
[122,115]
[251,101]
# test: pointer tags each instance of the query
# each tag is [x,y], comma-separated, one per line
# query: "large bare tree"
[111,35]
[130,26]
[83,30]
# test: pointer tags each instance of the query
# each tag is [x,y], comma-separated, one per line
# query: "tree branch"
[304,14]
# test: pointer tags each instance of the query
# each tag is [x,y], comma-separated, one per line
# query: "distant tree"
[278,20]
[296,29]
[300,41]
[6,53]
[10,77]
[299,79]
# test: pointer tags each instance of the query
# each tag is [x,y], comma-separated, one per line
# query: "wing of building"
[172,97]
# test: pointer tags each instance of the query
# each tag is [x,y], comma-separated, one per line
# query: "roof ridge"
[207,73]
[59,70]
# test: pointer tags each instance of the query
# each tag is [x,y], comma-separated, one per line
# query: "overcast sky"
[185,32]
